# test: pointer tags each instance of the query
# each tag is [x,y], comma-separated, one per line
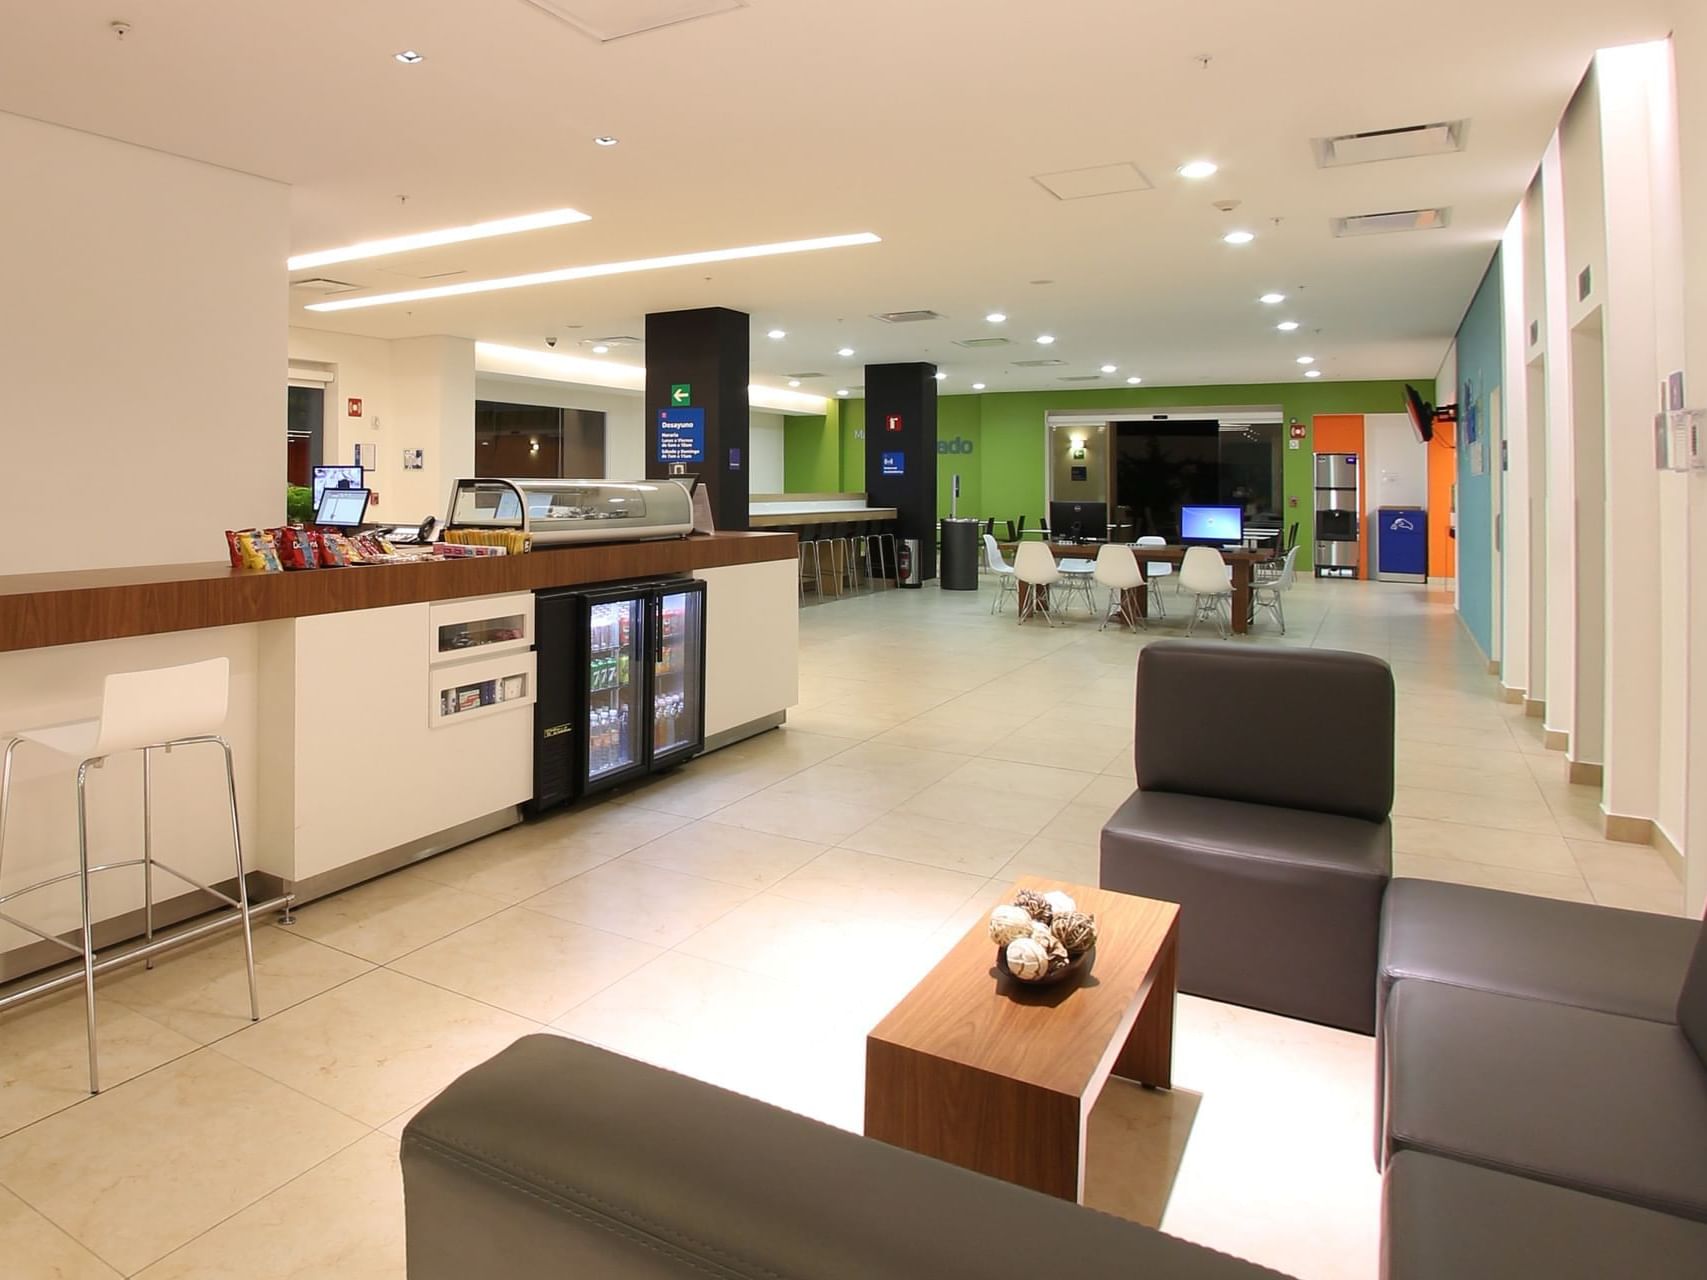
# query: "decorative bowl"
[1076,967]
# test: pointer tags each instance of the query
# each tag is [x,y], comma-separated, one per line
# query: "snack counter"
[379,714]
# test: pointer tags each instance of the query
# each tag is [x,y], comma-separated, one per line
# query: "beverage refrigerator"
[621,681]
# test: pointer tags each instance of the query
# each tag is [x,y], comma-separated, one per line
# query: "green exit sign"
[681,394]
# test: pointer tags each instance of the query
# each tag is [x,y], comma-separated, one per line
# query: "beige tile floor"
[706,922]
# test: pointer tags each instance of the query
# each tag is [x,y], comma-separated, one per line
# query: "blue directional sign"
[894,464]
[681,435]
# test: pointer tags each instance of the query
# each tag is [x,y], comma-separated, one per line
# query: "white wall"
[625,434]
[142,343]
[433,382]
[1395,470]
[764,447]
[363,372]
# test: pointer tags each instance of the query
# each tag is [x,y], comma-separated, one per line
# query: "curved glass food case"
[557,512]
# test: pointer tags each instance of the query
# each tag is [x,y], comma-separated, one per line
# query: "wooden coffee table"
[1001,1078]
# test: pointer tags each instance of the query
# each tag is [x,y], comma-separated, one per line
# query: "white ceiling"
[921,120]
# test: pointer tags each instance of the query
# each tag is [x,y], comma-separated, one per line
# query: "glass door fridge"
[616,639]
[678,672]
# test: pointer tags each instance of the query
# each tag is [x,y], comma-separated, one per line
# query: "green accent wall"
[1003,476]
[812,453]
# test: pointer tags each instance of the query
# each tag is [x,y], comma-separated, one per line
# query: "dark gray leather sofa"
[1278,857]
[559,1159]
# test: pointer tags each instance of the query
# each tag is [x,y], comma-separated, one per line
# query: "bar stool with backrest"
[1204,574]
[828,549]
[1117,569]
[145,711]
[1155,570]
[1035,567]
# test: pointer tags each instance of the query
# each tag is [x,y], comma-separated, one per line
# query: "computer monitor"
[335,478]
[1215,526]
[1079,521]
[342,508]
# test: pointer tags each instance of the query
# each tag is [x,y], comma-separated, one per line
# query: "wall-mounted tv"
[1421,414]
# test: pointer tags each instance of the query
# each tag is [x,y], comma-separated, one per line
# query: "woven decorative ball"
[1075,930]
[1028,959]
[1008,923]
[1035,904]
[1059,902]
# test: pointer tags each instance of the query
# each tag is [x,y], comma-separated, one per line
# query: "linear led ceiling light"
[432,239]
[602,269]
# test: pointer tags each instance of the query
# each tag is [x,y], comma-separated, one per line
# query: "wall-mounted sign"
[894,464]
[681,435]
[734,459]
[353,406]
[1299,430]
[1079,474]
[892,422]
[1079,453]
[681,395]
[413,460]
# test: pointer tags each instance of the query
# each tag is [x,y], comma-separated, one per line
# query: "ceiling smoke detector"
[607,20]
[1403,143]
[1378,224]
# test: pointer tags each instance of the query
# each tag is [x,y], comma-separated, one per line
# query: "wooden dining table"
[1243,563]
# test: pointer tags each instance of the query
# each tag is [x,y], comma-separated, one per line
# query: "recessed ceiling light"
[845,352]
[598,269]
[1272,298]
[408,57]
[431,239]
[996,317]
[1287,326]
[776,335]
[940,375]
[605,140]
[1306,359]
[1198,169]
[1312,373]
[1238,237]
[794,382]
[977,386]
[1108,368]
[841,391]
[1132,382]
[601,350]
[1044,339]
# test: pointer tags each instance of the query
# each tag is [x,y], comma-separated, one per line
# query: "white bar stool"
[144,711]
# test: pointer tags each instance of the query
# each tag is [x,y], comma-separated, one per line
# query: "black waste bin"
[959,568]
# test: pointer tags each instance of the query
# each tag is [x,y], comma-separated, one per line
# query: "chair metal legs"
[1271,600]
[1120,606]
[1004,588]
[1210,606]
[1033,601]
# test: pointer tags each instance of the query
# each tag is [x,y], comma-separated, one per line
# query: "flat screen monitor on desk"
[342,508]
[1079,521]
[1211,526]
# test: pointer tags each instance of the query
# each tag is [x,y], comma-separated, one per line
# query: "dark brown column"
[696,404]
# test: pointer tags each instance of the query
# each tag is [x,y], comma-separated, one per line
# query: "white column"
[1561,478]
[433,388]
[1513,605]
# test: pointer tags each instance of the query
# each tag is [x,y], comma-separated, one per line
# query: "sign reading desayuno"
[681,435]
[681,395]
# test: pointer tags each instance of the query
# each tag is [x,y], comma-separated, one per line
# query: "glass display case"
[563,511]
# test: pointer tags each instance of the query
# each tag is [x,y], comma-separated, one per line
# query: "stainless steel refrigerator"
[1338,514]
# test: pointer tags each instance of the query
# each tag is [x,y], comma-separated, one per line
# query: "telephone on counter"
[413,536]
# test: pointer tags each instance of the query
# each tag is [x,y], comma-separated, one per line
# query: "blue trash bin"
[1401,535]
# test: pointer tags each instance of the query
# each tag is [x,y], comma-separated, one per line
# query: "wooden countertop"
[39,610]
[788,519]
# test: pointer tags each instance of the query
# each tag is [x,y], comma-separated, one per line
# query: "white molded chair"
[144,711]
[1117,569]
[1035,567]
[1205,575]
[1271,595]
[1155,570]
[1001,568]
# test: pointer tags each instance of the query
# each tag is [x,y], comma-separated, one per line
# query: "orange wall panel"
[1442,474]
[1343,433]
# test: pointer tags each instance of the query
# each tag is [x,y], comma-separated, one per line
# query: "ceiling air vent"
[1080,377]
[615,340]
[905,317]
[803,376]
[1390,144]
[320,284]
[607,20]
[976,343]
[1038,364]
[1379,224]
